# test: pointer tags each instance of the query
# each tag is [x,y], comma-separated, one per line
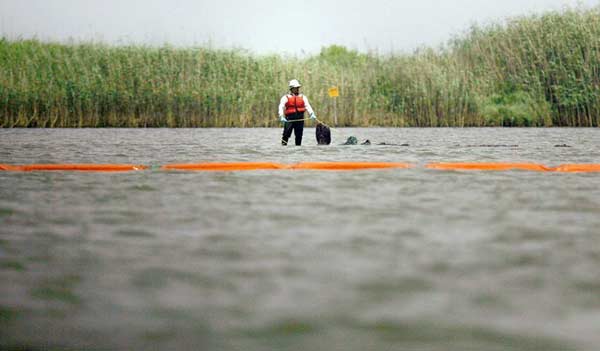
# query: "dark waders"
[297,127]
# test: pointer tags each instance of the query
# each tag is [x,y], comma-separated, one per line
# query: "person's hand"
[282,119]
[313,116]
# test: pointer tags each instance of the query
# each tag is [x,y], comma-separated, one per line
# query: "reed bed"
[537,70]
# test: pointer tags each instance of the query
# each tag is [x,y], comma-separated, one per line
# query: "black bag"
[323,134]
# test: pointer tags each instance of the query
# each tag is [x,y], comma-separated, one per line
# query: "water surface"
[299,260]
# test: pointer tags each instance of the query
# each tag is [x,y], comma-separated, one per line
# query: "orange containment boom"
[250,166]
[229,166]
[489,166]
[348,166]
[73,167]
[577,168]
[324,166]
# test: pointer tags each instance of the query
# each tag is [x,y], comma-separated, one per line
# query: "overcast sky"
[263,26]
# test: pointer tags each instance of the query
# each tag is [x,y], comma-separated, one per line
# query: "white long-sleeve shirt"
[284,100]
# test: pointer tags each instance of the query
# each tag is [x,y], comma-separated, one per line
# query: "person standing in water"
[291,112]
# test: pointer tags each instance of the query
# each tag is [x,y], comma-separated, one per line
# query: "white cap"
[294,83]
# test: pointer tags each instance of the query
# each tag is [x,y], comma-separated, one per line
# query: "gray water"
[399,259]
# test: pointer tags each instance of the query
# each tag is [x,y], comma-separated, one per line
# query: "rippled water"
[299,260]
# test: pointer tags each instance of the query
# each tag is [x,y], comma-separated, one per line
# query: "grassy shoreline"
[537,70]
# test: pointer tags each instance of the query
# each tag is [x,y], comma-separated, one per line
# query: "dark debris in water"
[562,145]
[368,142]
[354,141]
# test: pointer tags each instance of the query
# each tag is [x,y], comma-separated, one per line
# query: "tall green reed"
[538,70]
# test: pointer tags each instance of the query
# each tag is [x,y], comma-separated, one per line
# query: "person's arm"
[282,105]
[308,107]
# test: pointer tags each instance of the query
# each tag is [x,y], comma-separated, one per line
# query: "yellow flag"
[334,92]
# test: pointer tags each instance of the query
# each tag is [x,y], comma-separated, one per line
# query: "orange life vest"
[294,104]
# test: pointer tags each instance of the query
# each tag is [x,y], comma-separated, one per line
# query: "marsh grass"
[539,70]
